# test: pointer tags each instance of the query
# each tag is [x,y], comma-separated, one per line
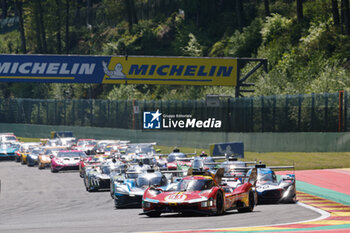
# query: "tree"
[267,8]
[19,13]
[58,24]
[335,12]
[4,8]
[42,26]
[67,26]
[131,13]
[300,10]
[240,14]
[345,16]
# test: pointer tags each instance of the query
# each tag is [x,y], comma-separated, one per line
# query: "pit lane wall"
[253,142]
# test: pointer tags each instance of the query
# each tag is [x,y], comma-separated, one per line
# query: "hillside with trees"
[306,42]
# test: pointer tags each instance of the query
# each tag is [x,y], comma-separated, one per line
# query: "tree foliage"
[306,42]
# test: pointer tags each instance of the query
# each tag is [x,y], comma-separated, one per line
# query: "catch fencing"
[326,112]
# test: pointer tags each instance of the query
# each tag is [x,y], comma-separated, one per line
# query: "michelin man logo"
[152,120]
[116,73]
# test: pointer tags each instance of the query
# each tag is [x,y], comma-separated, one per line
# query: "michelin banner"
[118,70]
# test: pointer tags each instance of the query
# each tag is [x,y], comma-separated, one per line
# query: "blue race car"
[32,157]
[129,192]
[270,190]
[8,150]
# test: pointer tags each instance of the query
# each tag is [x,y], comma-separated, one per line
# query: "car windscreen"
[36,152]
[229,166]
[87,142]
[147,180]
[197,164]
[4,146]
[71,154]
[194,185]
[10,138]
[106,170]
[176,156]
[140,150]
[266,175]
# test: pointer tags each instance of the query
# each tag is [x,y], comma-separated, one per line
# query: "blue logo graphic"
[152,120]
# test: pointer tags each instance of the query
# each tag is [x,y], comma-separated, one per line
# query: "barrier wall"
[253,142]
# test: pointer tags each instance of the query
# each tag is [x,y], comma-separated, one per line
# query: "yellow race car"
[24,149]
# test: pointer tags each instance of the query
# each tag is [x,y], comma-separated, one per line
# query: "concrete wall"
[254,142]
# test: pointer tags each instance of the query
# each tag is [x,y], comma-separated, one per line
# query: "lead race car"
[201,192]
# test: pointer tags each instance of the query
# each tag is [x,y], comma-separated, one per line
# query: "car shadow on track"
[195,215]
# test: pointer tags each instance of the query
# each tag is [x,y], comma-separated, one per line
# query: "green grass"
[301,160]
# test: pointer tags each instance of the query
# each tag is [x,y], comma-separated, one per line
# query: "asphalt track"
[35,201]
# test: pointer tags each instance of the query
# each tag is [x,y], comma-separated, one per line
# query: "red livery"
[201,193]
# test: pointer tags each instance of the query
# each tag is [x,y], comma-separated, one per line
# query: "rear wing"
[260,165]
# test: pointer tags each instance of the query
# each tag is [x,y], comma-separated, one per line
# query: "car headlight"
[208,203]
[59,162]
[154,192]
[288,192]
[121,190]
[146,204]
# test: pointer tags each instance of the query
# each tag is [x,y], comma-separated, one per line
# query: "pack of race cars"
[136,175]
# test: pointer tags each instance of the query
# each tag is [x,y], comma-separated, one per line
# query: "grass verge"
[301,160]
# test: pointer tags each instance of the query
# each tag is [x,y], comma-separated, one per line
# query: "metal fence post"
[345,110]
[91,111]
[251,114]
[274,113]
[312,111]
[299,113]
[262,113]
[326,111]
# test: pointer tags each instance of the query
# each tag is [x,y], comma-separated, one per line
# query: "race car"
[32,157]
[89,162]
[99,176]
[134,150]
[23,148]
[67,160]
[178,161]
[129,193]
[201,192]
[85,145]
[204,163]
[270,190]
[44,159]
[8,150]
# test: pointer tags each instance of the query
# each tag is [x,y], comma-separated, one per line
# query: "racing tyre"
[53,170]
[251,204]
[219,203]
[153,214]
[117,203]
[111,190]
[85,183]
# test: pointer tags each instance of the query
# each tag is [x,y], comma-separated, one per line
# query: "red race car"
[201,192]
